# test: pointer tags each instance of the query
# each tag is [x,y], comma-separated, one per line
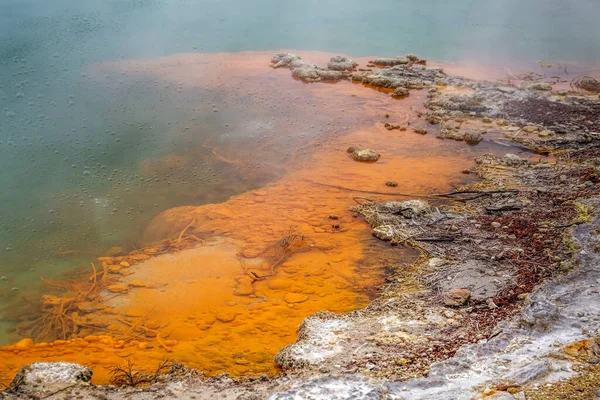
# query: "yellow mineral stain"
[252,268]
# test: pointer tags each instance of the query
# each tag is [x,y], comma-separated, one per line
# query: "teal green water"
[71,144]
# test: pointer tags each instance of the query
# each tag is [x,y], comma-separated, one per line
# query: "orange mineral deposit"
[223,287]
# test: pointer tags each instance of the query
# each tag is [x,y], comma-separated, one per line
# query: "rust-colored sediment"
[231,302]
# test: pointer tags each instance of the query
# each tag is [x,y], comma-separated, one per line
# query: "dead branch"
[459,192]
[435,239]
[129,376]
[477,194]
[508,207]
[185,229]
[370,191]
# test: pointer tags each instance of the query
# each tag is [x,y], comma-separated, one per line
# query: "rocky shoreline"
[502,301]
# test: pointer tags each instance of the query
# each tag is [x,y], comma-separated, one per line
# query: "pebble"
[472,137]
[436,262]
[383,232]
[391,183]
[137,284]
[86,307]
[530,128]
[400,92]
[360,154]
[456,297]
[226,316]
[496,224]
[293,298]
[117,288]
[154,324]
[114,269]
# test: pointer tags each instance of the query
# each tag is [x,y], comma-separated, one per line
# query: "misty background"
[70,141]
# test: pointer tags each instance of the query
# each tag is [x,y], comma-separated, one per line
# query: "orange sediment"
[233,295]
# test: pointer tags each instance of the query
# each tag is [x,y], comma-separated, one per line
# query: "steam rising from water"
[88,156]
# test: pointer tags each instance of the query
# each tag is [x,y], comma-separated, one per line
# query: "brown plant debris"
[128,375]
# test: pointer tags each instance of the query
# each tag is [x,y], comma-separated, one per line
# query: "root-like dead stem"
[60,317]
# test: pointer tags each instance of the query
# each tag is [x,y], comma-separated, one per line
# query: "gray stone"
[456,297]
[514,160]
[527,373]
[383,232]
[290,60]
[541,312]
[473,137]
[44,377]
[475,275]
[304,70]
[408,77]
[390,62]
[401,92]
[407,208]
[416,60]
[437,262]
[316,74]
[360,154]
[540,86]
[339,63]
[453,135]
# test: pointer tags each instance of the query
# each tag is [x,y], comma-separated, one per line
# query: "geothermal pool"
[154,141]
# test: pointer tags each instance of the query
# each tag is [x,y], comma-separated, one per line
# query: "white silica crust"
[56,372]
[355,387]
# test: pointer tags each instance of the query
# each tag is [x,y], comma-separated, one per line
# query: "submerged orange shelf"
[229,304]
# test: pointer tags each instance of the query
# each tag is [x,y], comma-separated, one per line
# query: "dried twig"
[93,284]
[370,191]
[185,229]
[129,376]
[163,345]
[477,194]
[435,239]
[507,207]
